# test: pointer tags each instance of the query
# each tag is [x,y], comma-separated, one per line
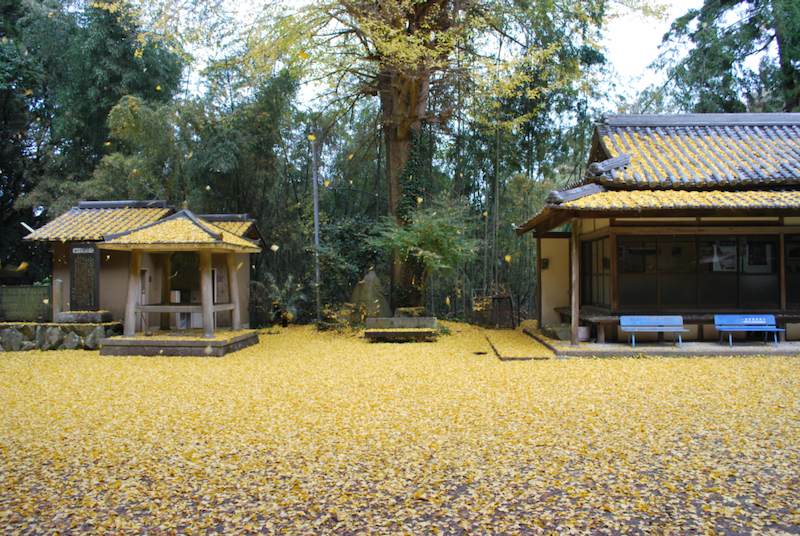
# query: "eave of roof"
[666,204]
[90,221]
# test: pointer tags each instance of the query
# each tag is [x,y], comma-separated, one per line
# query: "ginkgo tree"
[409,54]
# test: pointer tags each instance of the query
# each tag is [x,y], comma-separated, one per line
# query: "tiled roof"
[91,224]
[181,229]
[676,199]
[698,150]
[238,228]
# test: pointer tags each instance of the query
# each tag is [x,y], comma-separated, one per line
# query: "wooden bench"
[634,324]
[400,328]
[754,322]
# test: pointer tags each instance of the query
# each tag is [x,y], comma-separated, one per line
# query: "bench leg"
[633,337]
[730,339]
[775,336]
[601,333]
[680,341]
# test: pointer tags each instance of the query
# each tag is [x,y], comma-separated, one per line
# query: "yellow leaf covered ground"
[327,433]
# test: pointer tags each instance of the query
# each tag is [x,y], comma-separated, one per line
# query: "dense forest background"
[437,125]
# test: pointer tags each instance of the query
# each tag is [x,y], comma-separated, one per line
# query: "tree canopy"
[740,55]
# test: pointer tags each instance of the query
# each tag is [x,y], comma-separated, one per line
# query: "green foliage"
[288,297]
[743,55]
[88,58]
[346,254]
[434,238]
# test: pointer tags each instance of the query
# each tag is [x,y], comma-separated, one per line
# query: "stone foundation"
[83,317]
[21,337]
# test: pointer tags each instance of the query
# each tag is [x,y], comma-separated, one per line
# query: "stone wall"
[17,337]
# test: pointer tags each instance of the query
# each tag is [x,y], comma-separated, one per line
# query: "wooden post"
[129,328]
[233,292]
[206,294]
[576,268]
[166,286]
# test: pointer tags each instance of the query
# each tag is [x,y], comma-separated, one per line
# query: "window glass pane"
[758,254]
[586,289]
[636,256]
[677,256]
[759,291]
[607,290]
[792,259]
[607,256]
[718,255]
[596,257]
[677,290]
[586,258]
[638,291]
[718,290]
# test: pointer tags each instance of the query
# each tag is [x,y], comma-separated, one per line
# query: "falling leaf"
[274,247]
[28,92]
[350,157]
[508,259]
[208,188]
[326,183]
[304,55]
[158,88]
[419,200]
[311,137]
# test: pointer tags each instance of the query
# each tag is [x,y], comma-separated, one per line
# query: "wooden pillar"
[539,317]
[576,287]
[206,294]
[233,291]
[129,328]
[166,286]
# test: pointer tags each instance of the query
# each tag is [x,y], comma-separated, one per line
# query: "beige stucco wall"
[114,267]
[556,279]
[60,252]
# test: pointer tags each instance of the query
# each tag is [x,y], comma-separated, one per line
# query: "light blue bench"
[634,324]
[730,323]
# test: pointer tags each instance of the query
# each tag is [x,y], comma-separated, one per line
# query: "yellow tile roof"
[183,229]
[701,150]
[92,224]
[238,228]
[682,199]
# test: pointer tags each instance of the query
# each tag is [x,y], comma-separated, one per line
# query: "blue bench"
[731,323]
[634,324]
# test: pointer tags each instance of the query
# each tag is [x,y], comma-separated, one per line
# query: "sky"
[632,42]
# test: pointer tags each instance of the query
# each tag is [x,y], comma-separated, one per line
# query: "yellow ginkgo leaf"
[508,259]
[311,137]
